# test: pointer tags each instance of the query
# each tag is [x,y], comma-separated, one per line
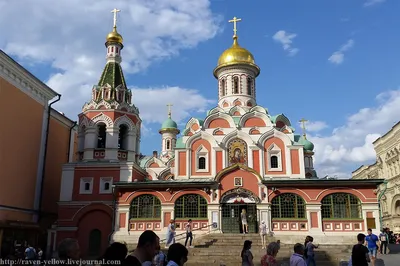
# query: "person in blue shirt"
[372,242]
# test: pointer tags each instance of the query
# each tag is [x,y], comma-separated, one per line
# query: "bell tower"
[236,73]
[109,125]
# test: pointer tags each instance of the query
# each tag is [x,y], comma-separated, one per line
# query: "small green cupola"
[308,145]
[169,125]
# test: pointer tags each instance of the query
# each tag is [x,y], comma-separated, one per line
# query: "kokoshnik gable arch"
[238,157]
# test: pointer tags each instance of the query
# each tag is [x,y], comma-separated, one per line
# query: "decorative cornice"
[22,79]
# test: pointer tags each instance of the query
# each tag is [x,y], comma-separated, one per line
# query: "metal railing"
[213,225]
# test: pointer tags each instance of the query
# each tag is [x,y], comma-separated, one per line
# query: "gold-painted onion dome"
[236,54]
[114,36]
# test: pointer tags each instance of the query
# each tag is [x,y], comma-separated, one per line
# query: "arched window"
[249,85]
[145,206]
[222,87]
[202,163]
[94,242]
[168,144]
[101,136]
[123,137]
[288,205]
[274,161]
[87,186]
[106,185]
[191,206]
[341,206]
[235,85]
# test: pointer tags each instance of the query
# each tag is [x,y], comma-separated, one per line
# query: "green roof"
[179,143]
[308,145]
[169,123]
[112,75]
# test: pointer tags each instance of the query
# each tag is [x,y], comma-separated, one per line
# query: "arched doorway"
[94,243]
[232,204]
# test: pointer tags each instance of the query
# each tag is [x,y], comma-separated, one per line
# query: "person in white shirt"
[177,255]
[189,234]
[263,233]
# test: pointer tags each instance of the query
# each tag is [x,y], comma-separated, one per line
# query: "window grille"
[274,161]
[288,205]
[341,206]
[145,206]
[202,163]
[191,206]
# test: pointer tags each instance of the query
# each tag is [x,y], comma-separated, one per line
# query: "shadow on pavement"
[394,249]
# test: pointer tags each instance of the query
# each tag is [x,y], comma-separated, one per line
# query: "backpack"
[31,254]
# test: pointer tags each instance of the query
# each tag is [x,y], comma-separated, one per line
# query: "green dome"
[308,145]
[169,123]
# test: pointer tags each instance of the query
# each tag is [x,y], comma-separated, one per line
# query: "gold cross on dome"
[169,109]
[234,21]
[115,11]
[303,126]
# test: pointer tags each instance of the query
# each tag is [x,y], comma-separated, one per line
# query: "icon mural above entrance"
[233,204]
[237,152]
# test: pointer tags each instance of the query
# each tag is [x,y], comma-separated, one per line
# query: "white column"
[118,211]
[213,215]
[131,147]
[112,144]
[188,163]
[90,143]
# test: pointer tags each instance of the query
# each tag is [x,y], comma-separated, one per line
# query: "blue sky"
[334,62]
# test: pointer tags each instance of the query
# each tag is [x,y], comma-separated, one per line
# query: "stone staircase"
[224,249]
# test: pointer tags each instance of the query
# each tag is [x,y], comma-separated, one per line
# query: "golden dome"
[114,36]
[235,54]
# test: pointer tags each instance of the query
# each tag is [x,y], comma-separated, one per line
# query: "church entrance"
[231,217]
[233,203]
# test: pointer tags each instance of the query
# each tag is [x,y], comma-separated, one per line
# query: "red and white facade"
[239,156]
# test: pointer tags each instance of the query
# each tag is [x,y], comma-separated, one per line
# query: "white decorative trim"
[82,186]
[125,120]
[202,152]
[23,80]
[103,183]
[274,150]
[255,114]
[221,115]
[102,118]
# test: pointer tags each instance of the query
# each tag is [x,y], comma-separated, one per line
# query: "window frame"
[298,203]
[156,208]
[201,202]
[333,206]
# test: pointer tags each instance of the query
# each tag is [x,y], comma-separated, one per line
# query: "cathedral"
[238,157]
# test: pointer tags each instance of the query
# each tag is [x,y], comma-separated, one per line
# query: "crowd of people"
[148,251]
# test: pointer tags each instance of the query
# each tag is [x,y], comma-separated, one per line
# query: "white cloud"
[373,2]
[286,39]
[350,145]
[152,103]
[338,56]
[70,36]
[315,126]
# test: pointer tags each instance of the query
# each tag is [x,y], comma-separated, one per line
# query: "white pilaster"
[188,163]
[374,208]
[314,208]
[90,143]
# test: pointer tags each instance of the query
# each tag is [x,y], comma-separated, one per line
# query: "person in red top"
[269,258]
